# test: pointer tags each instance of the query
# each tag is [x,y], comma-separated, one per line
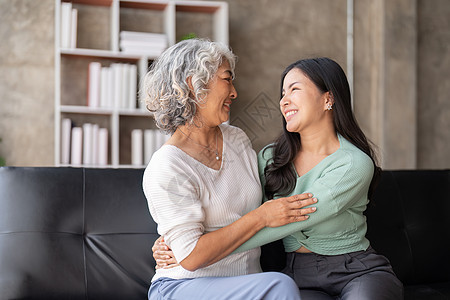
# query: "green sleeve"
[338,187]
[261,165]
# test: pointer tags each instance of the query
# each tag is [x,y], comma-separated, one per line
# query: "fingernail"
[310,195]
[315,199]
[306,216]
[314,209]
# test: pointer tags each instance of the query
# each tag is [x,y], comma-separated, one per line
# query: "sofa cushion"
[408,222]
[74,233]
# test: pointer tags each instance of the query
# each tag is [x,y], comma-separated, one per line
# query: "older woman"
[203,187]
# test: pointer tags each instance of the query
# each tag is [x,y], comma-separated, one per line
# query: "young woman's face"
[302,104]
[216,105]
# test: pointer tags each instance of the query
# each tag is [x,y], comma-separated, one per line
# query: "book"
[125,86]
[136,147]
[117,86]
[143,43]
[143,36]
[132,91]
[102,146]
[95,145]
[148,52]
[66,129]
[104,87]
[94,73]
[66,22]
[110,88]
[73,28]
[87,144]
[76,151]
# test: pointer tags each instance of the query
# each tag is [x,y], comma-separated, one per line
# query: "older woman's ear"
[191,87]
[189,83]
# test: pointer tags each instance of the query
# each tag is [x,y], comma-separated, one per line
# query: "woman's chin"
[291,129]
[225,118]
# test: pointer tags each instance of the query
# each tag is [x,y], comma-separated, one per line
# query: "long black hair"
[328,76]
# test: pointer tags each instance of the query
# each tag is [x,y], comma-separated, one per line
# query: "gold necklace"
[216,152]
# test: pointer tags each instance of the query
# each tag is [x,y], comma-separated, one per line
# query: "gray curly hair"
[165,88]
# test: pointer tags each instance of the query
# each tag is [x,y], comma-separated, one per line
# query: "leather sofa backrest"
[68,233]
[409,222]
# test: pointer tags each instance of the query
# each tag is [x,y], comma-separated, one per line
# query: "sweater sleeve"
[339,186]
[173,198]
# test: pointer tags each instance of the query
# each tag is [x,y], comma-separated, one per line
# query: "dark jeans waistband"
[294,258]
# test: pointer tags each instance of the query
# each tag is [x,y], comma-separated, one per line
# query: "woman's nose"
[233,93]
[284,101]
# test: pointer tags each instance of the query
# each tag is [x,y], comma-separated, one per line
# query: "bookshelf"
[99,24]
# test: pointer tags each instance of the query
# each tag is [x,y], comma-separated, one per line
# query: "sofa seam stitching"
[84,234]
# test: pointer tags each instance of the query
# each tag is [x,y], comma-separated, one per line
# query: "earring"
[330,106]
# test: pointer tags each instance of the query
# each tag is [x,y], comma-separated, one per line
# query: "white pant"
[270,285]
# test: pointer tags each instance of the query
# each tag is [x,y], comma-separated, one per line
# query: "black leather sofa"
[73,233]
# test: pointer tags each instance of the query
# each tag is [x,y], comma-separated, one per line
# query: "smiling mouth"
[290,113]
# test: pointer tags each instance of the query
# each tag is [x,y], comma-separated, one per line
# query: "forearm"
[214,246]
[268,235]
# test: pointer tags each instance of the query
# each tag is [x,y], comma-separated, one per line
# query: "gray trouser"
[352,276]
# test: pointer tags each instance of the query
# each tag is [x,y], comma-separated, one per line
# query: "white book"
[132,87]
[151,52]
[104,78]
[66,128]
[76,146]
[149,144]
[110,88]
[147,48]
[66,16]
[94,84]
[136,147]
[73,28]
[142,36]
[117,86]
[139,43]
[95,129]
[125,85]
[102,147]
[87,144]
[142,69]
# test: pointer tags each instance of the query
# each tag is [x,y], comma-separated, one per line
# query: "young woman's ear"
[329,101]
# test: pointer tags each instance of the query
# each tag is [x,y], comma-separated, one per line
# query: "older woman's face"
[221,93]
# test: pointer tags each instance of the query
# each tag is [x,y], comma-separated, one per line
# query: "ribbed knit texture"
[188,199]
[340,182]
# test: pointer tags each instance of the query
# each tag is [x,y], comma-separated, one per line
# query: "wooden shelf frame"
[168,9]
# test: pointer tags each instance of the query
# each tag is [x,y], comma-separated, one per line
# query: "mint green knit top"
[340,182]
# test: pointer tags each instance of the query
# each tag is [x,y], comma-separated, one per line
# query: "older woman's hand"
[163,255]
[287,210]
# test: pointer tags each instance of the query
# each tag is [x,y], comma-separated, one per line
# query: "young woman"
[324,152]
[202,186]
